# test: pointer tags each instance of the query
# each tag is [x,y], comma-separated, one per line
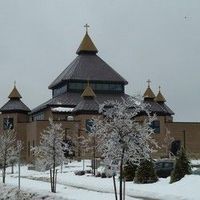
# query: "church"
[77,92]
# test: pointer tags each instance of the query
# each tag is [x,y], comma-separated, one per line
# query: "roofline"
[183,123]
[14,111]
[84,81]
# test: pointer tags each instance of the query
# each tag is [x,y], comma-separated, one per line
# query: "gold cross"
[86,27]
[148,81]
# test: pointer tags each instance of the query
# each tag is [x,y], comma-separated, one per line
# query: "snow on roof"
[62,109]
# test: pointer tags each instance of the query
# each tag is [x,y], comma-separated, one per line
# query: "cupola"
[15,104]
[149,95]
[87,46]
[160,98]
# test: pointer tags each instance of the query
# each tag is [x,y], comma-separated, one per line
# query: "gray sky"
[141,39]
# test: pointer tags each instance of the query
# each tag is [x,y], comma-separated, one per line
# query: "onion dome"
[149,93]
[14,104]
[87,46]
[14,94]
[160,98]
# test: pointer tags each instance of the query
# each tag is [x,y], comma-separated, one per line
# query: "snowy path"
[63,191]
[89,187]
[93,190]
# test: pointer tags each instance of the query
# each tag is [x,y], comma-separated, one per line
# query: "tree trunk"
[124,189]
[54,169]
[115,189]
[4,169]
[12,168]
[51,181]
[55,179]
[94,157]
[4,173]
[121,176]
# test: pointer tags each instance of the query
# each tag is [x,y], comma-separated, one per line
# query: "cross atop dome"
[149,93]
[14,104]
[14,93]
[160,98]
[86,27]
[149,82]
[87,46]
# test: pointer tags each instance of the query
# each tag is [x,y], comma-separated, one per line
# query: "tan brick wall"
[192,135]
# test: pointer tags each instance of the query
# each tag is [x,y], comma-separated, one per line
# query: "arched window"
[175,147]
[156,126]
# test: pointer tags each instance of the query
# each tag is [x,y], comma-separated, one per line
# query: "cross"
[148,81]
[159,88]
[86,27]
[14,83]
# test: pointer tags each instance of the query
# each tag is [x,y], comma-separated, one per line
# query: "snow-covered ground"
[88,187]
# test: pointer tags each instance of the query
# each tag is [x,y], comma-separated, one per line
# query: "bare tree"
[51,149]
[122,137]
[7,149]
[168,139]
[92,143]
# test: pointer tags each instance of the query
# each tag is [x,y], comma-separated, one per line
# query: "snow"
[195,162]
[88,187]
[62,109]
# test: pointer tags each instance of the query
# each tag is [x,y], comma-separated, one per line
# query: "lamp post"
[19,148]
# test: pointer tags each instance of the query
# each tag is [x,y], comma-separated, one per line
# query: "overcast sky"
[141,39]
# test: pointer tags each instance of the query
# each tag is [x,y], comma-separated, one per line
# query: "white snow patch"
[62,109]
[88,187]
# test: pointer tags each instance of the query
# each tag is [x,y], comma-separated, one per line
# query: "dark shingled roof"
[15,105]
[88,66]
[72,99]
[159,108]
[87,105]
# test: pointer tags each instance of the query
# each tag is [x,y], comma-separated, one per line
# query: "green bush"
[129,171]
[145,173]
[182,166]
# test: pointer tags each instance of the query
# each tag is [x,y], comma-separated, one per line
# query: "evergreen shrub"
[182,166]
[145,173]
[129,171]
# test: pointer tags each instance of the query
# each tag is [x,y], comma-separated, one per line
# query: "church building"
[77,92]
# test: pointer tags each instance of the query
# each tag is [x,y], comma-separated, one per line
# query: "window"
[88,125]
[156,126]
[175,147]
[77,86]
[105,87]
[60,90]
[8,123]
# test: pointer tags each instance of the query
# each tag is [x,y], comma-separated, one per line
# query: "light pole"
[19,148]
